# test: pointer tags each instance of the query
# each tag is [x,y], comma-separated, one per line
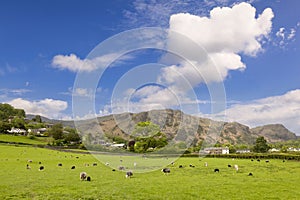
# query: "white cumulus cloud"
[74,63]
[47,107]
[225,35]
[283,109]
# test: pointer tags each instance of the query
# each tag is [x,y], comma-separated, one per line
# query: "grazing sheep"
[83,176]
[267,161]
[88,178]
[129,174]
[41,168]
[30,161]
[180,166]
[40,163]
[229,165]
[73,167]
[205,164]
[107,164]
[258,160]
[166,170]
[94,164]
[113,170]
[216,170]
[28,167]
[236,167]
[250,174]
[121,168]
[86,165]
[192,165]
[59,164]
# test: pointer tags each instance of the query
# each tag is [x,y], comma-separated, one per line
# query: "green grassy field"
[23,139]
[273,180]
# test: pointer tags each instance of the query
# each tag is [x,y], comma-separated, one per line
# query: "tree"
[147,135]
[261,145]
[4,126]
[71,135]
[37,119]
[7,111]
[18,122]
[56,131]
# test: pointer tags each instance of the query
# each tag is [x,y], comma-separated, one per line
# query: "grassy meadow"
[273,180]
[6,138]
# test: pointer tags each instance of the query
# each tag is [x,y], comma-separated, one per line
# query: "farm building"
[17,131]
[243,151]
[215,150]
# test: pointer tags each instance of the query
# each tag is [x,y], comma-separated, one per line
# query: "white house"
[243,151]
[17,131]
[215,150]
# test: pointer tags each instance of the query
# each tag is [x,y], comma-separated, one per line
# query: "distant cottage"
[215,150]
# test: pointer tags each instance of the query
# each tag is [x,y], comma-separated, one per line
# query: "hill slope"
[274,133]
[180,127]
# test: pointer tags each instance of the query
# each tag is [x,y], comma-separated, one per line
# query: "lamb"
[250,174]
[236,167]
[217,170]
[59,164]
[41,168]
[28,167]
[83,176]
[229,165]
[129,174]
[94,164]
[166,170]
[73,167]
[205,164]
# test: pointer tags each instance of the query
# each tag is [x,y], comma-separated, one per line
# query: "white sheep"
[236,167]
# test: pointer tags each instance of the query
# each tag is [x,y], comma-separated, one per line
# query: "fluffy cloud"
[218,43]
[277,109]
[47,107]
[224,35]
[73,63]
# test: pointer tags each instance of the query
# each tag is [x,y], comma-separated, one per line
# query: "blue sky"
[253,48]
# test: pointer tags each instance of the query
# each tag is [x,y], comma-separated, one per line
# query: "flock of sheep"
[84,176]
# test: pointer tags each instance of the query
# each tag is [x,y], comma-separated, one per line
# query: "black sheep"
[129,174]
[166,170]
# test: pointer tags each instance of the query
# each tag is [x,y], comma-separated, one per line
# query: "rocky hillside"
[274,133]
[181,127]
